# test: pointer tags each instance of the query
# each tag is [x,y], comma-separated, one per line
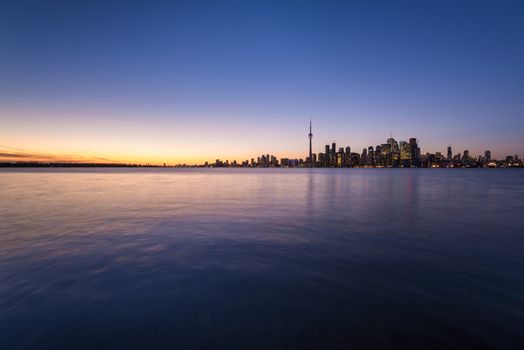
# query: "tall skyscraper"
[364,156]
[415,151]
[333,156]
[450,156]
[393,144]
[487,156]
[348,156]
[371,156]
[310,147]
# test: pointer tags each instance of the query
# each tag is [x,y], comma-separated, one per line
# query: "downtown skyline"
[191,82]
[391,154]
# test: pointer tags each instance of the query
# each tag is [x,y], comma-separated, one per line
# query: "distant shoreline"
[113,165]
[74,165]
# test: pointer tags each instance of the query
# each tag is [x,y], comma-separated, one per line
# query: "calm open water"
[261,258]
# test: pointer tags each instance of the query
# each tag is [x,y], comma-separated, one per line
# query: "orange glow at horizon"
[12,154]
[95,134]
[91,136]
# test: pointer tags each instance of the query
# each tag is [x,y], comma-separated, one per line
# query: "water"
[261,258]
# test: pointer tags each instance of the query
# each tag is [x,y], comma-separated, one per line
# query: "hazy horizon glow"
[192,81]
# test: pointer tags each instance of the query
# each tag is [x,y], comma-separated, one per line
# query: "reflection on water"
[260,258]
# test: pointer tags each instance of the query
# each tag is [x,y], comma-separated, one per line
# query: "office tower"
[333,154]
[348,157]
[327,155]
[371,156]
[339,160]
[394,144]
[487,156]
[341,157]
[386,154]
[405,154]
[310,146]
[415,151]
[450,156]
[355,159]
[378,155]
[466,155]
[364,157]
[394,152]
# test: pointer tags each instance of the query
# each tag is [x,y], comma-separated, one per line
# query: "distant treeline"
[72,165]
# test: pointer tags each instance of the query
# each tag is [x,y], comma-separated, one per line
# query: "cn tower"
[310,149]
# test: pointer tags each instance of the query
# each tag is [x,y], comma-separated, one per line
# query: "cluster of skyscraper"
[264,161]
[392,154]
[389,154]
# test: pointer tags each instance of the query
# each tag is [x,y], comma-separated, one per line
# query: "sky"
[191,81]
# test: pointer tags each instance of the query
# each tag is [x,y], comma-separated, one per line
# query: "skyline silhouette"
[393,153]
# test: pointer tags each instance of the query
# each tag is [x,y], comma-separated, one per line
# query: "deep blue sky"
[183,80]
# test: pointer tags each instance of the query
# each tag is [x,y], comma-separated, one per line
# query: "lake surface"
[261,258]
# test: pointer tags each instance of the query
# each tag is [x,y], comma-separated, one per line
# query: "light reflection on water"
[261,258]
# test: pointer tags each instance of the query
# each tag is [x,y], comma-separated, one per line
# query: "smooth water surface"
[261,258]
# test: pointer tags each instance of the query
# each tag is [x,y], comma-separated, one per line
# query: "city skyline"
[393,153]
[180,82]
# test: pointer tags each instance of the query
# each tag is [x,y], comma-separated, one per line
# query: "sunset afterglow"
[186,84]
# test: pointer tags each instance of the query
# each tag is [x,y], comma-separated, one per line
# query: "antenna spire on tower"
[310,145]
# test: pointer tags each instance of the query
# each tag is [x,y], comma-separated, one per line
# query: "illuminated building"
[405,154]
